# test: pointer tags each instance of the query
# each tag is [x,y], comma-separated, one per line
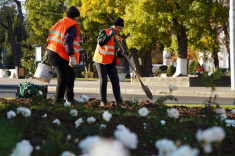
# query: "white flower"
[102,126]
[163,122]
[81,100]
[67,153]
[74,112]
[37,148]
[91,120]
[84,97]
[86,144]
[172,88]
[127,138]
[145,125]
[206,137]
[207,148]
[24,111]
[230,123]
[56,121]
[78,122]
[173,113]
[184,150]
[11,114]
[223,116]
[143,111]
[67,104]
[218,133]
[107,116]
[233,111]
[121,127]
[44,116]
[105,147]
[220,111]
[40,92]
[23,148]
[165,146]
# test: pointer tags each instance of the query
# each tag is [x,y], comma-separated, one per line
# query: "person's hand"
[112,32]
[72,61]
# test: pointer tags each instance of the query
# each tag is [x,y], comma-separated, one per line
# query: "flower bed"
[139,128]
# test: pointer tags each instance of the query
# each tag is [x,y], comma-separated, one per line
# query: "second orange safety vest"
[57,36]
[105,54]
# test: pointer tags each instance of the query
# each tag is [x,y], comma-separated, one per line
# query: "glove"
[112,33]
[119,55]
[72,61]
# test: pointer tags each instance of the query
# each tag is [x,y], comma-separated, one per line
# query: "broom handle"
[123,52]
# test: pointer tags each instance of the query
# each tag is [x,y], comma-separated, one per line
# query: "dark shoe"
[102,104]
[73,102]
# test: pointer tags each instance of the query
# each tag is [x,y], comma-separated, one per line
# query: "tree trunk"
[90,62]
[215,59]
[16,51]
[86,64]
[21,17]
[138,67]
[181,68]
[147,63]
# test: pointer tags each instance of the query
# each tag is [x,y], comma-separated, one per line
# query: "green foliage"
[210,79]
[193,67]
[44,14]
[160,70]
[170,70]
[10,135]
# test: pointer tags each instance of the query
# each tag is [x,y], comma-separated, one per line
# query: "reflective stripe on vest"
[57,36]
[105,54]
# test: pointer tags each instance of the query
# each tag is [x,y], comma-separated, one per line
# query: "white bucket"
[44,73]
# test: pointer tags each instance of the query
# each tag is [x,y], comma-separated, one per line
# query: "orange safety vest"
[57,36]
[105,54]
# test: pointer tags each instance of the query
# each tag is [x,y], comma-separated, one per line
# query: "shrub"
[170,70]
[160,70]
[193,67]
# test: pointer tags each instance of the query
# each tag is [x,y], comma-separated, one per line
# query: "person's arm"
[103,38]
[70,36]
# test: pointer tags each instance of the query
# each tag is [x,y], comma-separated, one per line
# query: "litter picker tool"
[144,87]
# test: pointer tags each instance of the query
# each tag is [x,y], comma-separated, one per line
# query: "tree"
[93,20]
[212,22]
[43,14]
[14,26]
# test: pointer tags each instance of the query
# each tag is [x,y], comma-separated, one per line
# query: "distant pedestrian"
[200,70]
[106,57]
[63,54]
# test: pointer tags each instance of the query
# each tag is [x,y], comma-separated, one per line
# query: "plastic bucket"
[44,73]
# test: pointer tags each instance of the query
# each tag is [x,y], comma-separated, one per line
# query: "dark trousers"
[65,76]
[110,70]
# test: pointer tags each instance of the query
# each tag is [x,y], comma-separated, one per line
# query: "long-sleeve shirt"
[103,39]
[70,35]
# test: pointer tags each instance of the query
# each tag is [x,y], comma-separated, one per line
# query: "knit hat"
[119,22]
[73,12]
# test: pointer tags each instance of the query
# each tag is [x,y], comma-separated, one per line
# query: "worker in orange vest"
[63,54]
[106,58]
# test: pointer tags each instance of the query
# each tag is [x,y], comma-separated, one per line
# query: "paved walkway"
[126,88]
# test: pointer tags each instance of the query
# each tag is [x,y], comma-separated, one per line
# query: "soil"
[135,124]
